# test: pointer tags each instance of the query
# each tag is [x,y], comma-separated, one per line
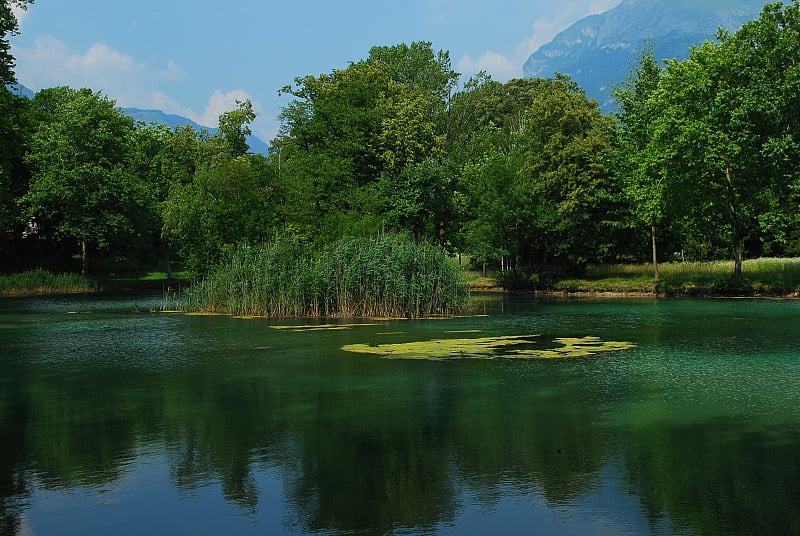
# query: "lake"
[117,419]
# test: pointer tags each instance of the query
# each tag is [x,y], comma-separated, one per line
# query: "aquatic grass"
[388,276]
[42,281]
[510,346]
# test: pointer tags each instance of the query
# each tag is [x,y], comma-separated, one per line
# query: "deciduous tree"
[82,187]
[9,26]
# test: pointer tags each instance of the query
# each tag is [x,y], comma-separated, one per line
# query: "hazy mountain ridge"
[598,51]
[257,145]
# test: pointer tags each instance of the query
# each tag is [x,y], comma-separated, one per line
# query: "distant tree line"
[701,160]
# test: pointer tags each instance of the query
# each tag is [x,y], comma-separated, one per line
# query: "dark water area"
[116,419]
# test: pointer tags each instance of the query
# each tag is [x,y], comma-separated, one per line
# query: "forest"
[700,161]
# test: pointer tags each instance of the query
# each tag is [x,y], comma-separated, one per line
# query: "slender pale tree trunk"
[737,265]
[84,260]
[738,240]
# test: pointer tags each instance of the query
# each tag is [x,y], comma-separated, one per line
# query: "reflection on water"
[115,419]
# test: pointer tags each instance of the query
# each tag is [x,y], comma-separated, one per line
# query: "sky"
[196,58]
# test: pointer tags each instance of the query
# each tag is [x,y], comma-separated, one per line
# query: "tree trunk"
[737,264]
[738,240]
[84,260]
[656,274]
[169,264]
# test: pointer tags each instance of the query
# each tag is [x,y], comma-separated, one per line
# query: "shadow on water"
[228,425]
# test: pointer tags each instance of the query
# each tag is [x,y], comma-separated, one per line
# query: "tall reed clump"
[387,276]
[42,281]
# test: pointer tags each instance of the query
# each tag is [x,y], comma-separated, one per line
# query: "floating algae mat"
[321,327]
[512,346]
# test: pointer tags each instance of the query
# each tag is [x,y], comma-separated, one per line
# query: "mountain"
[20,90]
[257,145]
[599,51]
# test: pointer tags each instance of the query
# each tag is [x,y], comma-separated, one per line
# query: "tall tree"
[539,192]
[351,130]
[13,173]
[768,51]
[81,186]
[9,26]
[643,183]
[14,176]
[726,122]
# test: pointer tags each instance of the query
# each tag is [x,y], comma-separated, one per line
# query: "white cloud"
[172,72]
[500,67]
[19,13]
[104,67]
[220,103]
[51,62]
[131,83]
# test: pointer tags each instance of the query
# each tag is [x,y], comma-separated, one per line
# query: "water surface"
[117,419]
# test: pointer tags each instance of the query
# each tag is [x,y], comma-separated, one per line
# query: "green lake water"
[118,420]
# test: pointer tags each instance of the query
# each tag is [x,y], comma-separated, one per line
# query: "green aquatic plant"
[510,346]
[388,276]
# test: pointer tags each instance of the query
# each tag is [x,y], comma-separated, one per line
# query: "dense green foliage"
[700,163]
[8,26]
[387,276]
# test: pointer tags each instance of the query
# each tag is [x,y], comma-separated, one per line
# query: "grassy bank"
[388,276]
[43,282]
[760,277]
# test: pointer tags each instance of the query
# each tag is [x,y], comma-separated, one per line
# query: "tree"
[234,127]
[420,200]
[9,26]
[13,112]
[81,186]
[726,123]
[540,190]
[642,183]
[353,129]
[768,51]
[227,203]
[567,146]
[14,175]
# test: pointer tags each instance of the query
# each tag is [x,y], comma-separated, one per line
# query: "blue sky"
[197,57]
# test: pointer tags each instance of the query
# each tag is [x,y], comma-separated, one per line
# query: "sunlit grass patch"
[41,281]
[764,276]
[511,346]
